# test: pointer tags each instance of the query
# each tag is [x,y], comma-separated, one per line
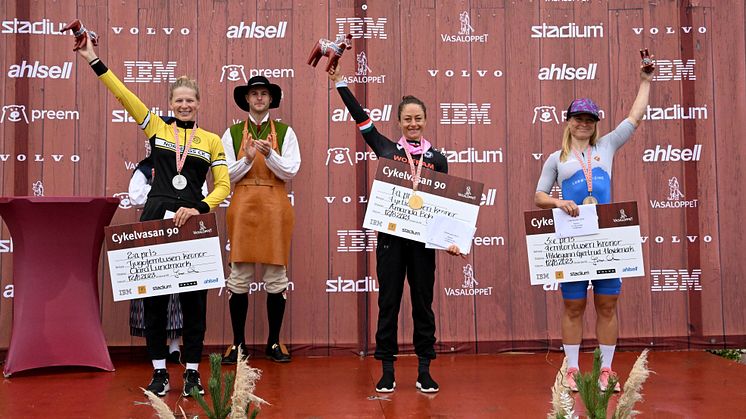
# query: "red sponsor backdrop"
[496,77]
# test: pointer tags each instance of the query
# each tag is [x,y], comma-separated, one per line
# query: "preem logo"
[669,30]
[465,73]
[668,70]
[565,72]
[254,31]
[355,241]
[121,115]
[471,155]
[488,241]
[675,197]
[367,284]
[259,286]
[548,114]
[365,27]
[236,73]
[233,72]
[571,30]
[664,280]
[470,286]
[676,112]
[40,27]
[25,70]
[669,153]
[376,114]
[134,30]
[363,74]
[465,113]
[124,200]
[465,33]
[18,113]
[149,72]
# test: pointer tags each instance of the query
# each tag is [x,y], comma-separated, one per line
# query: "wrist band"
[94,61]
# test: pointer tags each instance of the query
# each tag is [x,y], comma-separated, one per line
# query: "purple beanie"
[580,106]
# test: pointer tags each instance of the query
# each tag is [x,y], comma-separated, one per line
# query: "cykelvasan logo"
[376,114]
[465,73]
[252,30]
[670,30]
[367,284]
[675,112]
[134,30]
[17,113]
[24,70]
[465,33]
[571,30]
[675,280]
[465,113]
[565,72]
[362,27]
[669,153]
[469,287]
[364,73]
[121,115]
[675,197]
[39,27]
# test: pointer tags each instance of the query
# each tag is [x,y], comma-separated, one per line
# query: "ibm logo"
[354,241]
[367,27]
[675,70]
[149,72]
[675,280]
[465,113]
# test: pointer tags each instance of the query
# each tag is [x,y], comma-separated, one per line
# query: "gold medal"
[590,199]
[415,202]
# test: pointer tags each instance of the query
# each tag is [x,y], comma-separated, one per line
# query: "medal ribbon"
[587,171]
[415,175]
[181,158]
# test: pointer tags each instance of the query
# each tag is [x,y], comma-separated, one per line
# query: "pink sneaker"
[570,379]
[603,380]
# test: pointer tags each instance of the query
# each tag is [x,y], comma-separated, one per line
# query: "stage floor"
[685,385]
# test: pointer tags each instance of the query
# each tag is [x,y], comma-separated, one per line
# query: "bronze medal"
[590,199]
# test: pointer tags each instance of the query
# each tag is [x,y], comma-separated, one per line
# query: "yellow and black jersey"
[206,152]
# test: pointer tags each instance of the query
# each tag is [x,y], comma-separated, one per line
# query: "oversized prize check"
[388,210]
[156,257]
[614,252]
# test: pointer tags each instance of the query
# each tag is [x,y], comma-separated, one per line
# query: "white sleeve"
[237,169]
[138,189]
[285,166]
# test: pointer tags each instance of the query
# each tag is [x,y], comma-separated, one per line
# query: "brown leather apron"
[260,217]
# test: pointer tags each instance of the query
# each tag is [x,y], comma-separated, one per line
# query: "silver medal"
[179,182]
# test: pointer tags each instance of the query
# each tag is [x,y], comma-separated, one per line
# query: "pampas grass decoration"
[161,408]
[243,389]
[632,388]
[562,403]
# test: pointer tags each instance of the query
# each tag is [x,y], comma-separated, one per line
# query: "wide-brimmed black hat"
[240,92]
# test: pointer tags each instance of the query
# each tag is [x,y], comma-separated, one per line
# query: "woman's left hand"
[454,250]
[183,214]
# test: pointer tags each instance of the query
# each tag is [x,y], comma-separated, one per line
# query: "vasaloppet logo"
[364,74]
[675,197]
[24,70]
[570,30]
[247,31]
[465,33]
[362,27]
[469,287]
[149,72]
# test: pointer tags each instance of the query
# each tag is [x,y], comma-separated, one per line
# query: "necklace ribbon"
[587,171]
[181,155]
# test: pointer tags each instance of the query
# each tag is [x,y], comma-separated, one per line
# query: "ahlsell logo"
[548,114]
[465,33]
[488,198]
[134,30]
[676,112]
[670,30]
[469,287]
[365,27]
[149,72]
[39,27]
[25,70]
[565,72]
[471,155]
[675,197]
[38,188]
[124,200]
[571,30]
[233,72]
[364,73]
[465,113]
[465,73]
[338,155]
[367,284]
[670,153]
[622,217]
[252,30]
[376,114]
[121,115]
[668,70]
[17,113]
[675,280]
[355,241]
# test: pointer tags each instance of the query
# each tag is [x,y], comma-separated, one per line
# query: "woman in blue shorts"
[585,156]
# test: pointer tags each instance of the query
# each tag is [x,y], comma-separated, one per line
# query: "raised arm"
[643,94]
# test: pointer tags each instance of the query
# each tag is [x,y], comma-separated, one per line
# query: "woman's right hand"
[335,75]
[570,207]
[87,51]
